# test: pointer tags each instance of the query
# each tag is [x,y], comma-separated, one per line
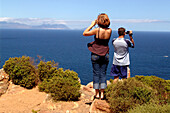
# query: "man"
[121,61]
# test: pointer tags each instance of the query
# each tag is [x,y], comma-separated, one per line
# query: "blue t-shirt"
[121,51]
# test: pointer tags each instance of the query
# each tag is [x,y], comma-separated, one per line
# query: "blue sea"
[151,55]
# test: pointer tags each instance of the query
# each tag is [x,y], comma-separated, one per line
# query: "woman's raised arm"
[88,31]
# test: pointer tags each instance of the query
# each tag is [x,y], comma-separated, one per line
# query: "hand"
[130,33]
[93,23]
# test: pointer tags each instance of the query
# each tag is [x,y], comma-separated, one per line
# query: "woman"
[99,52]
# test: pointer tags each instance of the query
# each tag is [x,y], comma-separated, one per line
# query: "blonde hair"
[103,20]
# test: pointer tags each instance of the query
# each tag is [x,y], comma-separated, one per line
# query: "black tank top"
[99,46]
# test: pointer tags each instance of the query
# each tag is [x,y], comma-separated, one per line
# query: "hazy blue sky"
[145,15]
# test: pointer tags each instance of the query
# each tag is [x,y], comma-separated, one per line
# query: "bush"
[127,94]
[61,88]
[67,74]
[162,86]
[151,108]
[21,71]
[62,85]
[10,64]
[46,70]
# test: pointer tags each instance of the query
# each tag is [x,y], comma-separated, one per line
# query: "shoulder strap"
[98,32]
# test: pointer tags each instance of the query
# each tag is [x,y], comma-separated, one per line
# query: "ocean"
[151,55]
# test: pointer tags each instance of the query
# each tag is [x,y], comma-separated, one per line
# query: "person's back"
[121,51]
[104,33]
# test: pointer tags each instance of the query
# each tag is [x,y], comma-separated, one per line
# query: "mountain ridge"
[12,25]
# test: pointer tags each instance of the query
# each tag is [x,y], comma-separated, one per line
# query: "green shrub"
[46,70]
[10,64]
[151,108]
[67,74]
[62,85]
[127,94]
[61,88]
[162,86]
[21,71]
[49,69]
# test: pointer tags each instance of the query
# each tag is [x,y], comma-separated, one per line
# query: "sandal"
[96,97]
[103,98]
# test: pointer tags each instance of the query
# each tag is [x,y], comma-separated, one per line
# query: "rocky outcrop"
[18,99]
[97,106]
[4,82]
[100,106]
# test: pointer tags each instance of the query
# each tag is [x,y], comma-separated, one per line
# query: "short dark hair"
[121,31]
[103,20]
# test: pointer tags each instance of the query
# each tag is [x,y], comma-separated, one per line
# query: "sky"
[137,15]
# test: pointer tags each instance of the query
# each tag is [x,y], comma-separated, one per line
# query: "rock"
[76,105]
[108,82]
[51,107]
[3,75]
[48,98]
[18,99]
[88,89]
[90,85]
[4,81]
[67,111]
[100,106]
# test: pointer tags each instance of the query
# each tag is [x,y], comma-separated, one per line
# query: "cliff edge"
[15,99]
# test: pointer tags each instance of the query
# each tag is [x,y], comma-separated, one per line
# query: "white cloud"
[136,21]
[77,24]
[33,21]
[37,21]
[5,19]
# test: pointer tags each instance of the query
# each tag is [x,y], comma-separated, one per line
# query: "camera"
[128,32]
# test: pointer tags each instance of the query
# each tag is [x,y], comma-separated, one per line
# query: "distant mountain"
[6,25]
[51,26]
[10,25]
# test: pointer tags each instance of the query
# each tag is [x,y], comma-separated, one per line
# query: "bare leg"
[128,72]
[102,93]
[115,79]
[97,93]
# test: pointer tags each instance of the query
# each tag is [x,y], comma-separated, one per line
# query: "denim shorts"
[99,64]
[120,71]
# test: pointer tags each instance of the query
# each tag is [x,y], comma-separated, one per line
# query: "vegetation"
[62,85]
[21,71]
[129,93]
[35,111]
[162,86]
[151,108]
[137,94]
[46,70]
[61,88]
[140,94]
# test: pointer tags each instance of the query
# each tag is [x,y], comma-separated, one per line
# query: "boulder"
[4,81]
[100,106]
